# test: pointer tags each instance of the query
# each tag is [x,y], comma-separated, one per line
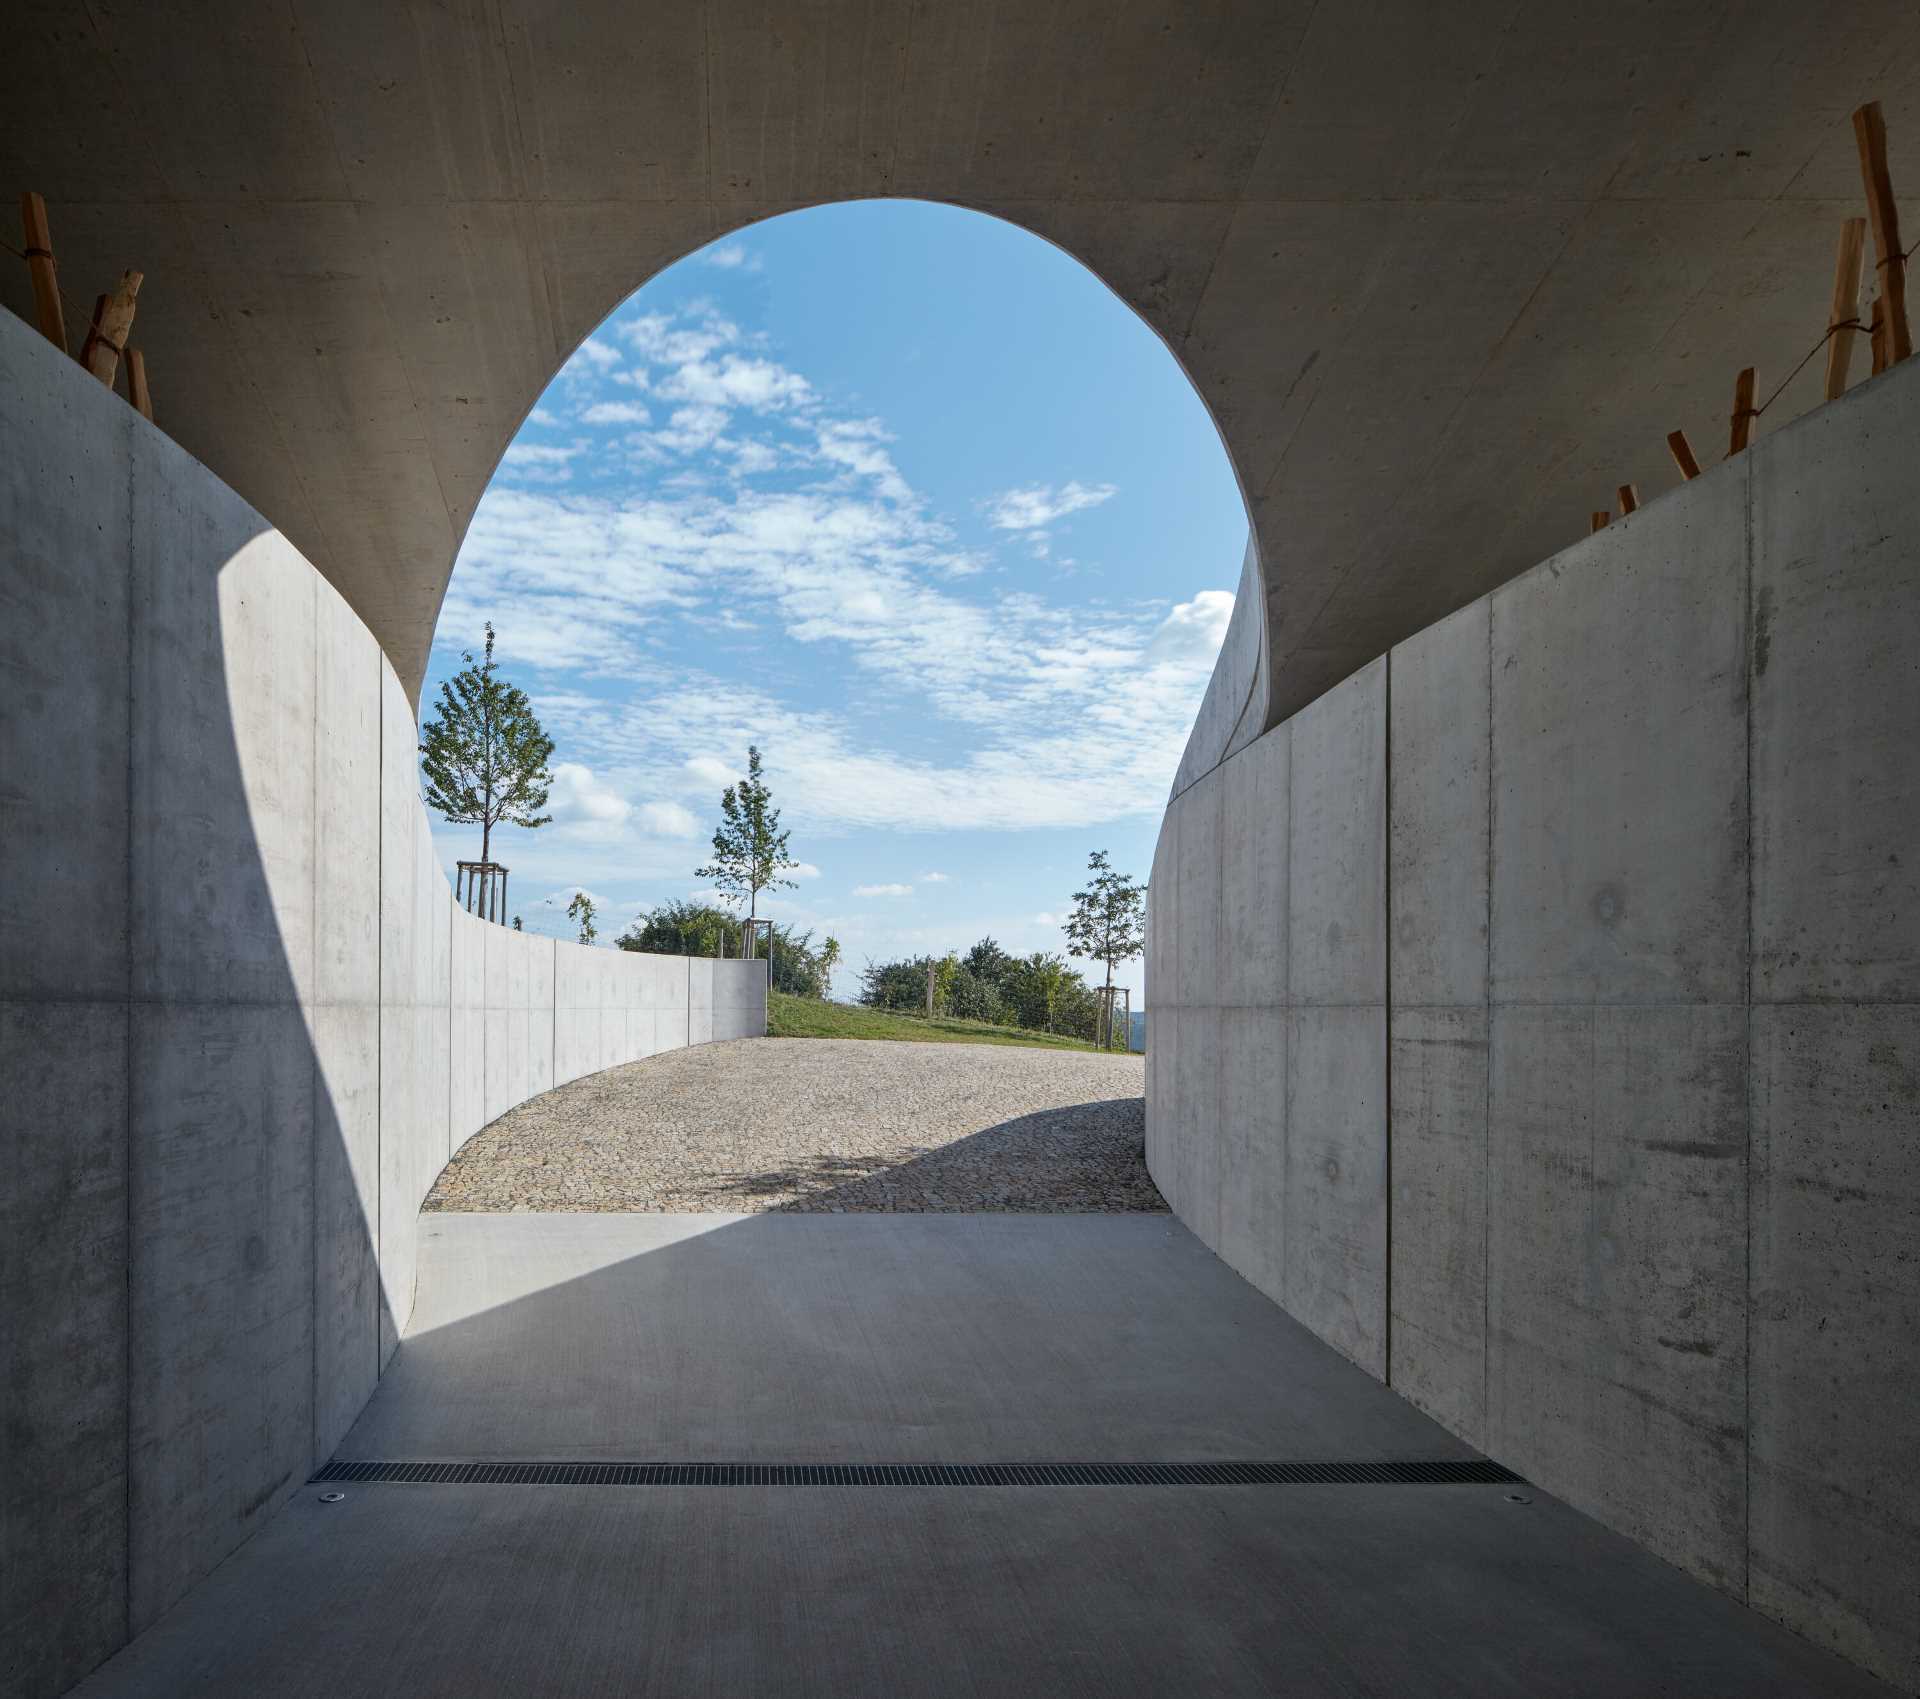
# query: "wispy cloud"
[933,879]
[617,413]
[730,256]
[883,890]
[1037,505]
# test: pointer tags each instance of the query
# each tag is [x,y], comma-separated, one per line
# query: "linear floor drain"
[1439,1472]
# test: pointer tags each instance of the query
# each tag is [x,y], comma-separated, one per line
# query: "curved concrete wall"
[242,1023]
[1536,1016]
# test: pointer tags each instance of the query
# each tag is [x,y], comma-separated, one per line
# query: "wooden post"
[113,318]
[137,391]
[1682,452]
[1742,420]
[929,988]
[1877,338]
[1629,499]
[40,267]
[1846,305]
[1870,131]
[1599,519]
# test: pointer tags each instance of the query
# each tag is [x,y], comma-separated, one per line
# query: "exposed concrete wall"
[1537,1017]
[242,1024]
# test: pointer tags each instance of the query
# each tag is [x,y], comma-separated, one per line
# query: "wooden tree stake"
[112,319]
[1877,338]
[1846,305]
[1629,499]
[46,281]
[1682,452]
[1599,519]
[1870,131]
[137,391]
[1742,420]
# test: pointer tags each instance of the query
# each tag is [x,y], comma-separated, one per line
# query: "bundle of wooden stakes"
[1889,336]
[106,339]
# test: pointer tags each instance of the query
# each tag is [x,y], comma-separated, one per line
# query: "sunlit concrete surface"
[929,1338]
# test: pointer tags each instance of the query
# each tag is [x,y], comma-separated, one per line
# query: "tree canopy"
[1109,919]
[485,754]
[749,849]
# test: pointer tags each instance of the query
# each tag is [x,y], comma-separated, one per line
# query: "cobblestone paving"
[819,1124]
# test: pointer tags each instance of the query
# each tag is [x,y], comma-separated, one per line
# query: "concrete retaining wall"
[1537,1017]
[242,1024]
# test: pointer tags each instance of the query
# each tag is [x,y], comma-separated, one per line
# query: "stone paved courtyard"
[822,1125]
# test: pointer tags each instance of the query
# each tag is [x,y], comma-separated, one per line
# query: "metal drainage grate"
[1450,1472]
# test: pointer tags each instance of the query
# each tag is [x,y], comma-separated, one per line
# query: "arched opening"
[904,495]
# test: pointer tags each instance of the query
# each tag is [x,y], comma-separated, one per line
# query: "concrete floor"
[916,1337]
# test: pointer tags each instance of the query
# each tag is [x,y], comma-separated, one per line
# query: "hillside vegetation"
[811,1017]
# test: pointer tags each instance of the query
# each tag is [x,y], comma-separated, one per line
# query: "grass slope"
[806,1017]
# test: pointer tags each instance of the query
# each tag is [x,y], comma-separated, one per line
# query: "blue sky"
[903,495]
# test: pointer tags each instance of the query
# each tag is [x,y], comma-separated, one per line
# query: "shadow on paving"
[1079,1158]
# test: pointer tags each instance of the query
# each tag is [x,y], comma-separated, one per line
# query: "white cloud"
[616,413]
[883,890]
[712,773]
[803,870]
[692,429]
[540,416]
[561,898]
[1193,632]
[1045,919]
[577,795]
[933,879]
[1041,504]
[730,256]
[762,386]
[538,454]
[597,353]
[668,820]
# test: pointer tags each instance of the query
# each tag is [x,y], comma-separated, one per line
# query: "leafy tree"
[1108,923]
[485,754]
[749,849]
[516,923]
[988,962]
[686,928]
[680,928]
[581,909]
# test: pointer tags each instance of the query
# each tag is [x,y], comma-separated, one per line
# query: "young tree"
[1108,924]
[749,849]
[516,923]
[581,909]
[485,754]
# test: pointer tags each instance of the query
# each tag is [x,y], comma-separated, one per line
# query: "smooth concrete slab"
[1836,882]
[1834,1521]
[1336,881]
[1620,761]
[1438,818]
[1253,874]
[1617,1266]
[1342,1592]
[1438,1228]
[875,1338]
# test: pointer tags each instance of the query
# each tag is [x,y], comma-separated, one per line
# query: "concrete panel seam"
[126,1550]
[1386,1050]
[1746,1413]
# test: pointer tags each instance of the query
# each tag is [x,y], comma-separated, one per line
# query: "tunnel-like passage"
[1595,1045]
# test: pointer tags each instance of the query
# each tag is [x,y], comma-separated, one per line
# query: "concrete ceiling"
[1445,273]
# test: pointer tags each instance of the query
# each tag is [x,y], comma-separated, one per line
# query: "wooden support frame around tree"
[1599,519]
[1629,499]
[137,391]
[1877,339]
[1870,131]
[112,319]
[40,267]
[1683,455]
[1844,315]
[1740,429]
